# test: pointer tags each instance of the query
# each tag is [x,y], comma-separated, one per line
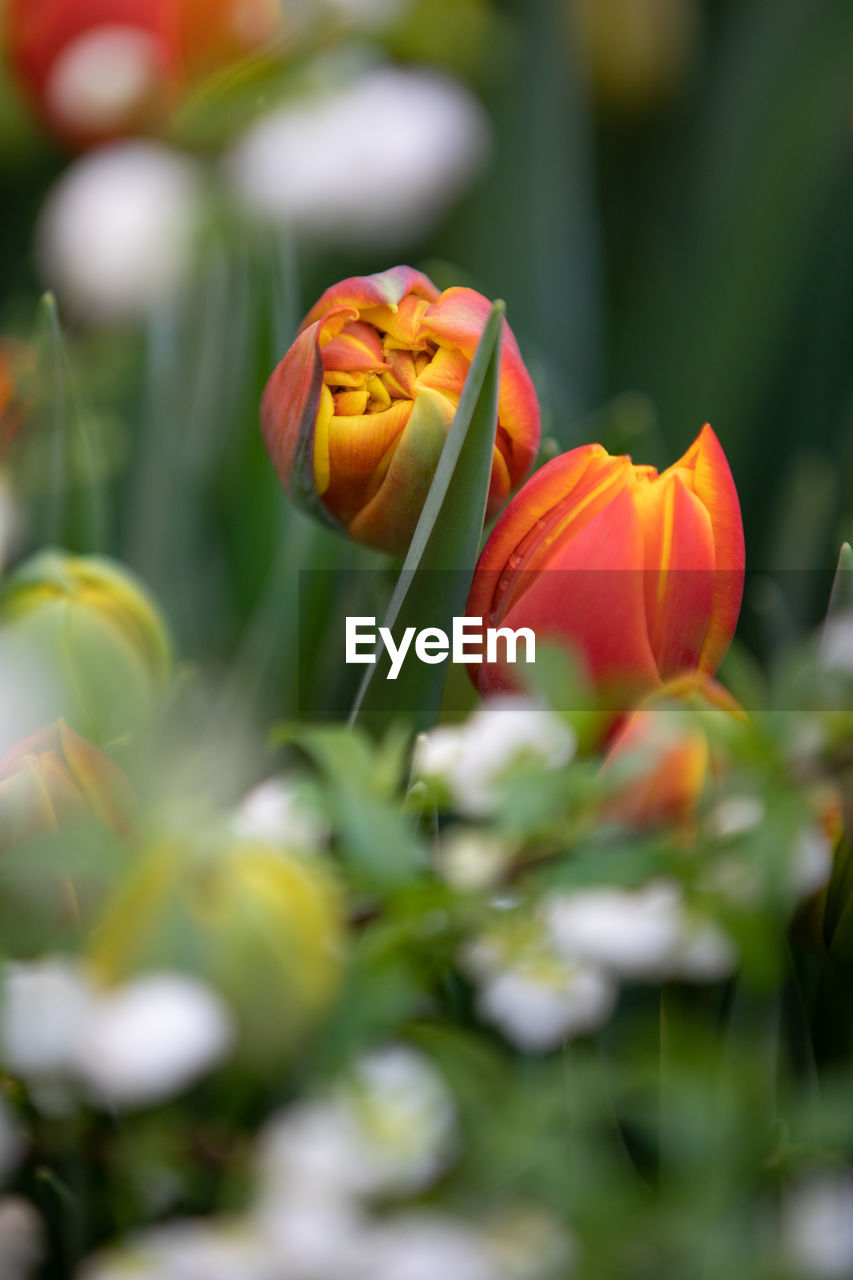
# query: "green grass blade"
[841,595]
[433,583]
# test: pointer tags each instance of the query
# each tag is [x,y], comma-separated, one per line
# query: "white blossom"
[836,644]
[645,933]
[811,863]
[187,1250]
[115,237]
[276,813]
[388,1128]
[44,1005]
[146,1041]
[103,79]
[21,1238]
[423,1247]
[527,1243]
[472,759]
[817,1227]
[373,163]
[735,815]
[468,859]
[314,1235]
[538,1008]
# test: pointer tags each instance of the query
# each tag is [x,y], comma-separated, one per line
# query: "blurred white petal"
[104,78]
[631,932]
[115,236]
[817,1227]
[276,813]
[472,759]
[424,1247]
[22,1242]
[146,1041]
[644,933]
[471,860]
[44,1005]
[538,1010]
[374,163]
[388,1128]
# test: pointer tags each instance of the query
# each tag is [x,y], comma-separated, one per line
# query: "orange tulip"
[668,752]
[98,69]
[356,413]
[640,574]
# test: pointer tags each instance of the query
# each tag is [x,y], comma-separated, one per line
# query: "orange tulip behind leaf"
[640,574]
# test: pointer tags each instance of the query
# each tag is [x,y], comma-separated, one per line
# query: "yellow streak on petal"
[325,413]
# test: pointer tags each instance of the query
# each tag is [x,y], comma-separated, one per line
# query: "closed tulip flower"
[640,574]
[356,413]
[262,925]
[55,778]
[86,624]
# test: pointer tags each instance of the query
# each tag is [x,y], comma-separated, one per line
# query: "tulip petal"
[289,411]
[581,597]
[355,349]
[679,577]
[715,487]
[384,289]
[551,487]
[357,446]
[389,518]
[103,784]
[457,320]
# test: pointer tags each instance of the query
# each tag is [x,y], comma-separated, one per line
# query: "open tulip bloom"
[356,413]
[641,573]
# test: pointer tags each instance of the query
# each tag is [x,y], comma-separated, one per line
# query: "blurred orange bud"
[662,755]
[53,779]
[356,413]
[17,365]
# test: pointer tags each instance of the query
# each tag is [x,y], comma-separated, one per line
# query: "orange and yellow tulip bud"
[640,574]
[667,753]
[356,413]
[53,779]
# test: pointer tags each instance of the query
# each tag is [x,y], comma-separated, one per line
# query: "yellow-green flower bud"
[263,926]
[89,624]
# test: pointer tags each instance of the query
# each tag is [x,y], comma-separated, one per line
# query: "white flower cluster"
[385,1131]
[554,973]
[131,1046]
[277,813]
[473,759]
